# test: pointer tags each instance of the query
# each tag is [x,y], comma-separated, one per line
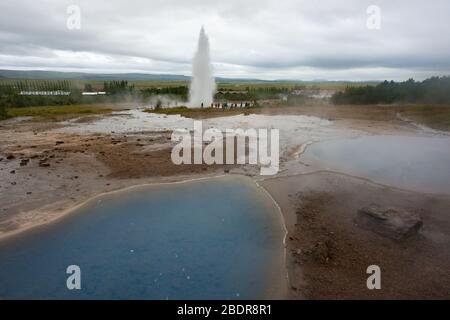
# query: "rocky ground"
[330,248]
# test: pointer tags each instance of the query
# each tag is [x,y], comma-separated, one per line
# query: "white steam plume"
[202,84]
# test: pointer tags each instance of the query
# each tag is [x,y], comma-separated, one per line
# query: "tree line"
[435,90]
[41,85]
[117,87]
[14,93]
[180,91]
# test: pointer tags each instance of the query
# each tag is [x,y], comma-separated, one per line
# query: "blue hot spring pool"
[218,238]
[409,162]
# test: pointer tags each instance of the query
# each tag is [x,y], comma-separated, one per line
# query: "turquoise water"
[210,239]
[414,163]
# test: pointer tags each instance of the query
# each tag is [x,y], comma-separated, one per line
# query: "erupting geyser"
[202,84]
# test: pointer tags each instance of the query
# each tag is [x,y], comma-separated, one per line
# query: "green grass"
[198,113]
[56,112]
[185,111]
[435,117]
[176,110]
[143,84]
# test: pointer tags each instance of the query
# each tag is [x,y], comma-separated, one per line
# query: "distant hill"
[57,75]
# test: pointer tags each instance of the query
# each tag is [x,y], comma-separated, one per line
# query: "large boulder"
[392,223]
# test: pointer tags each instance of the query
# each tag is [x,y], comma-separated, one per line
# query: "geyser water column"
[202,87]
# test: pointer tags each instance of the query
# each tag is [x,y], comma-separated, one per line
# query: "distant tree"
[158,105]
[117,87]
[88,87]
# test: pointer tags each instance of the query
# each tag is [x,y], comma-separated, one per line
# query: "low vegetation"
[435,117]
[3,114]
[56,112]
[175,110]
[434,90]
[11,93]
[198,113]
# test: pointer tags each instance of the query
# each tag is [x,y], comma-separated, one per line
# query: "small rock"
[59,142]
[392,223]
[322,251]
[10,157]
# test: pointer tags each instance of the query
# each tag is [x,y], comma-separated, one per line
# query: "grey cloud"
[287,39]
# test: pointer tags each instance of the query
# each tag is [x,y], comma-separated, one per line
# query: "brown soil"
[137,156]
[329,252]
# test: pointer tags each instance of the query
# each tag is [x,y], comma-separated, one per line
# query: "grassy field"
[245,85]
[143,84]
[202,113]
[57,113]
[435,117]
[291,85]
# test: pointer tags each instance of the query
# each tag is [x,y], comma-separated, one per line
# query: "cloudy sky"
[266,39]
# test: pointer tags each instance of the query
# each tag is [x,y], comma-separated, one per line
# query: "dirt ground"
[330,252]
